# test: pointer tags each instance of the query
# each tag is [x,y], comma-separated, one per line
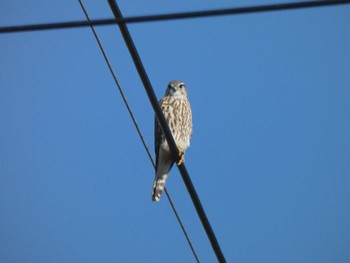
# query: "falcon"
[177,112]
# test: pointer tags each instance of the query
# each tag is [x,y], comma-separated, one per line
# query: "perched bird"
[177,112]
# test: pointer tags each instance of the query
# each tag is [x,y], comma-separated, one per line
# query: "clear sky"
[269,157]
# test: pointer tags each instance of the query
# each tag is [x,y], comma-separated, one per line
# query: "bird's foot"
[182,157]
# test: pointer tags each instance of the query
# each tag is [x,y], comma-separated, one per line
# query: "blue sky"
[269,157]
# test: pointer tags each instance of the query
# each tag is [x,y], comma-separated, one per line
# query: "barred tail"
[158,187]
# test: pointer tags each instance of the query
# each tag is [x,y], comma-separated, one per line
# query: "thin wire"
[166,131]
[174,16]
[137,128]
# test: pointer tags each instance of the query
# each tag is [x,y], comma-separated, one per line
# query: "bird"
[177,112]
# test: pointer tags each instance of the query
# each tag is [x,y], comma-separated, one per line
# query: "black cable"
[173,148]
[174,16]
[137,128]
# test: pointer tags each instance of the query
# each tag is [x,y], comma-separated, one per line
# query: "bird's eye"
[181,86]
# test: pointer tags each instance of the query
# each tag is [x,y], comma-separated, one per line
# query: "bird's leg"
[182,157]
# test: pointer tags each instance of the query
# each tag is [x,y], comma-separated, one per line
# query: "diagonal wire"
[166,131]
[137,127]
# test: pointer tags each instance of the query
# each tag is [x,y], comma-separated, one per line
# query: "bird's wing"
[157,139]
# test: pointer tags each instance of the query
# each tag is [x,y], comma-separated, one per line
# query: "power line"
[137,127]
[172,145]
[174,16]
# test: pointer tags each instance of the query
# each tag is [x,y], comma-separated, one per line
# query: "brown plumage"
[177,112]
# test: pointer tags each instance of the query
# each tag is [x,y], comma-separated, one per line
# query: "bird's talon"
[182,157]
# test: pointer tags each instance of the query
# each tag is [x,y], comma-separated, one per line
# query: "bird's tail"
[158,187]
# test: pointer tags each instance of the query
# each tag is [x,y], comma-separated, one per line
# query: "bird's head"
[176,88]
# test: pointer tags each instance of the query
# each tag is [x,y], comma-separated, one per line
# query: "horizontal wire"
[173,16]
